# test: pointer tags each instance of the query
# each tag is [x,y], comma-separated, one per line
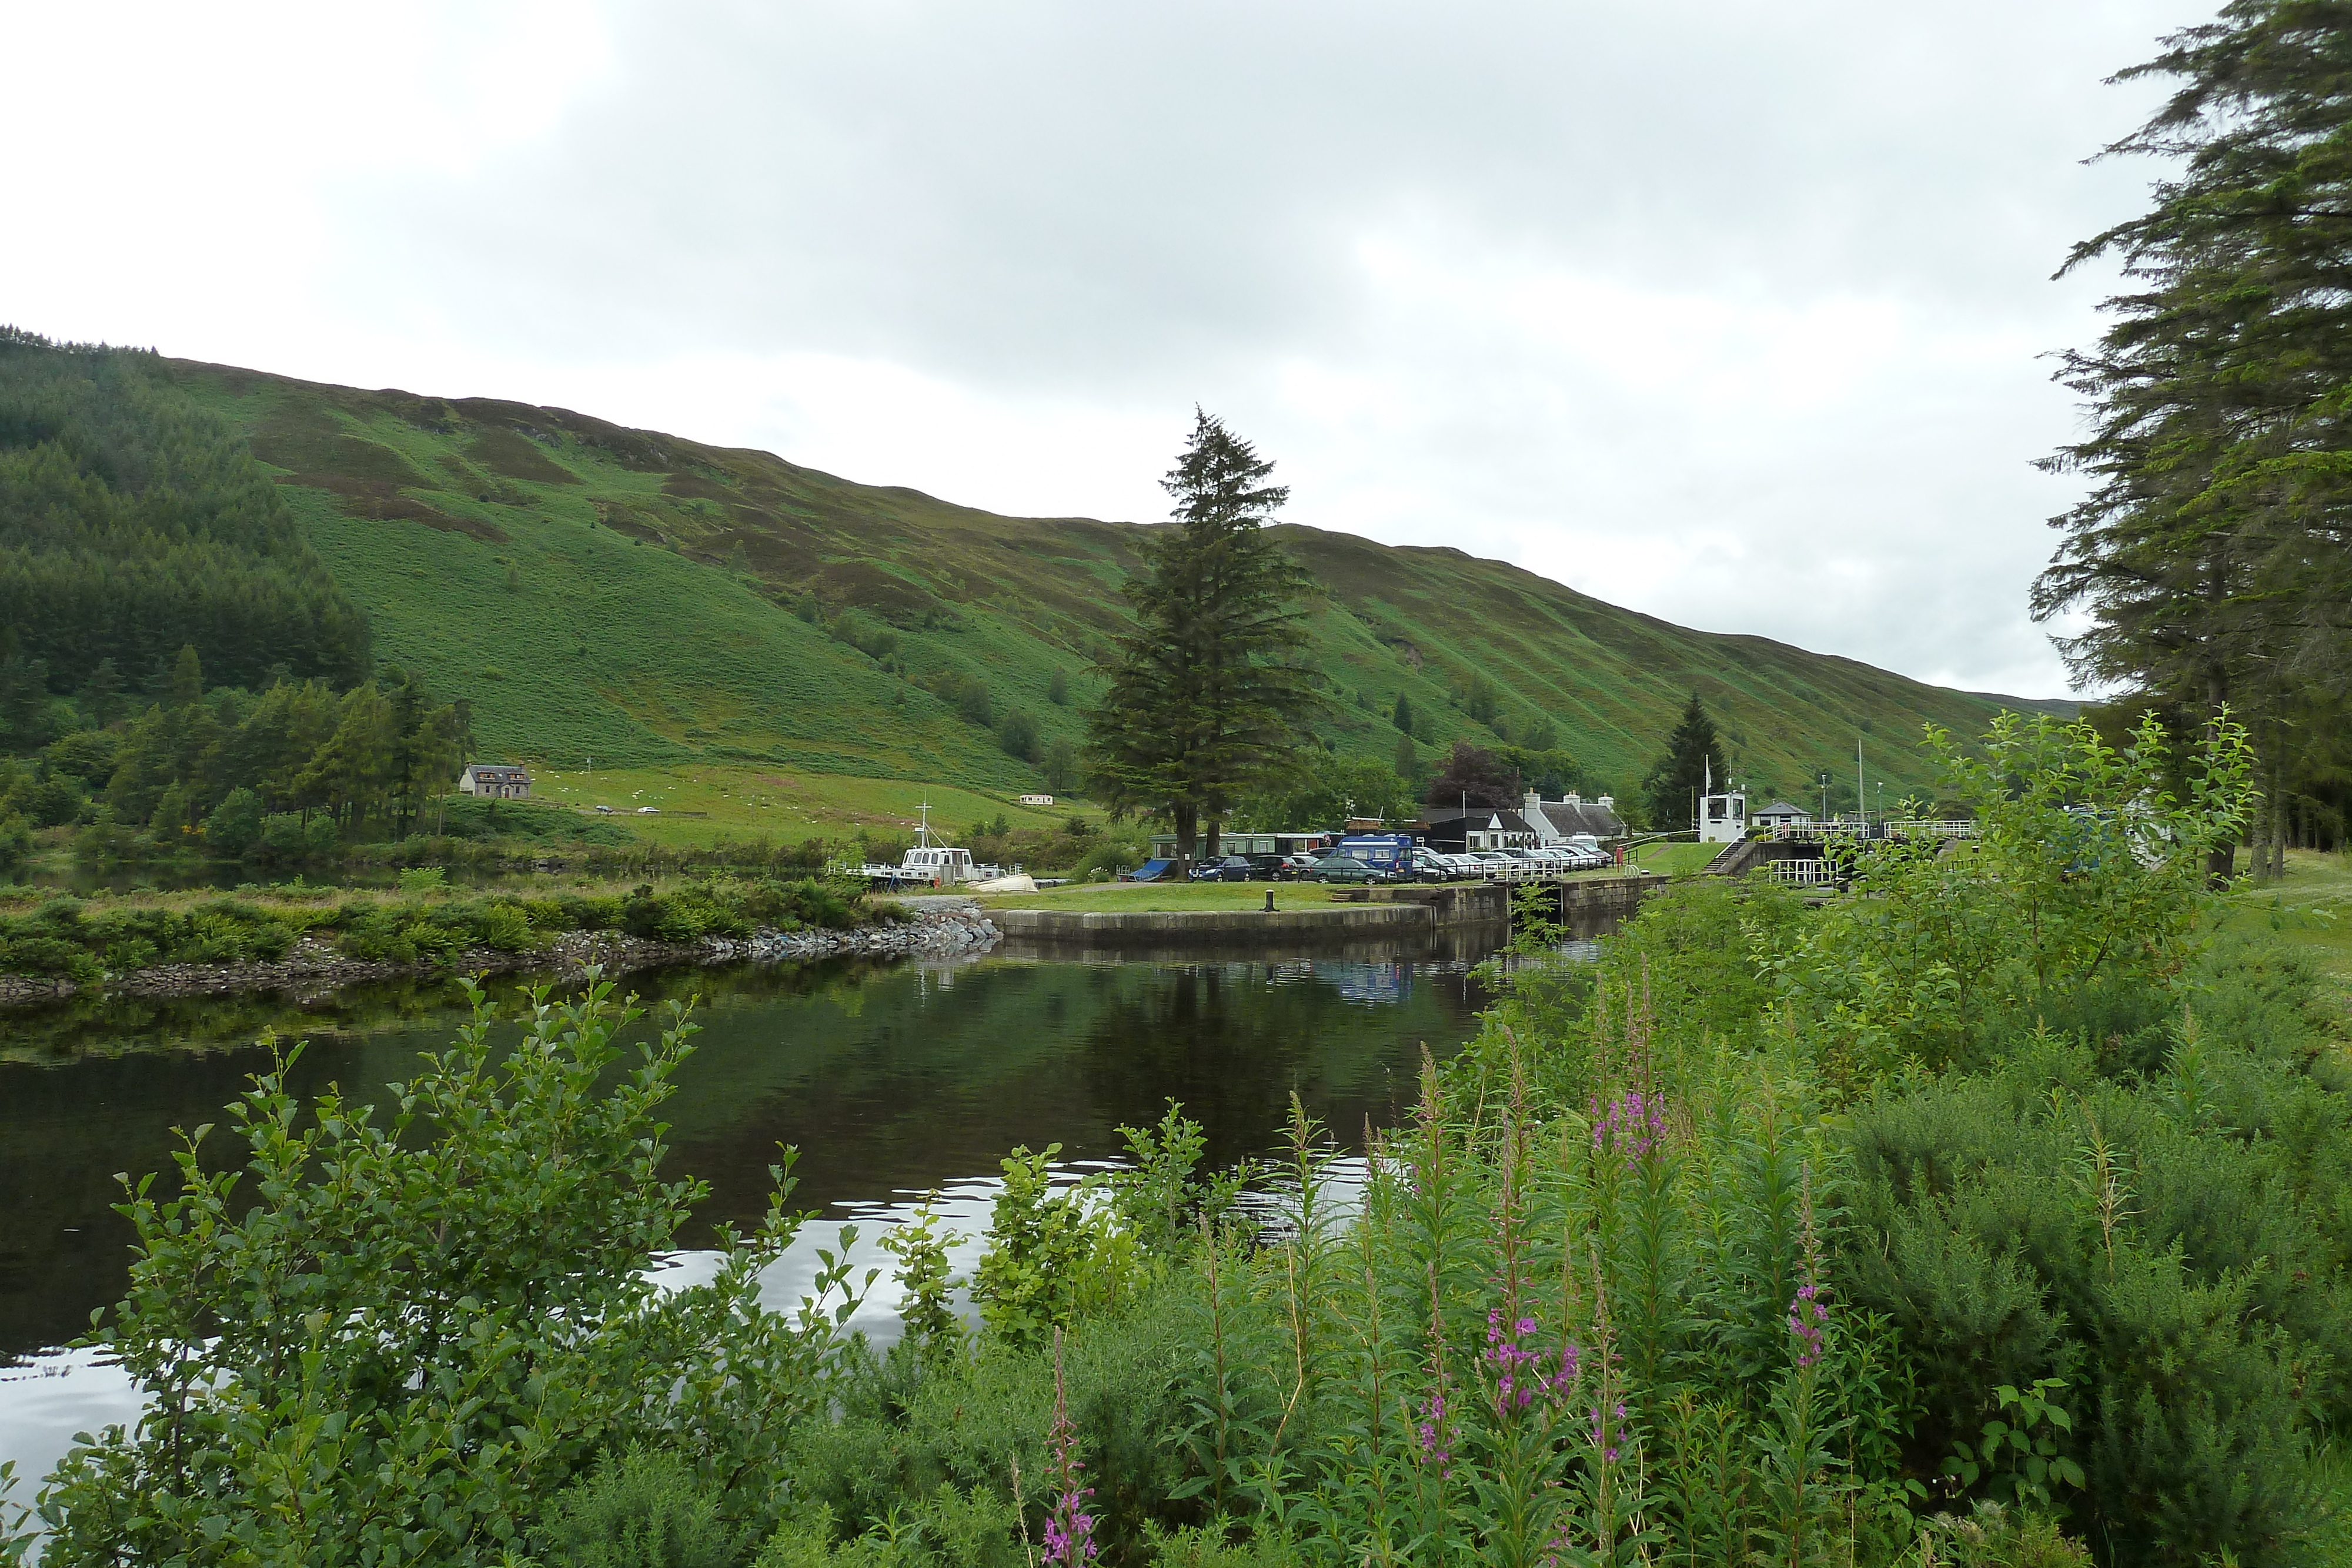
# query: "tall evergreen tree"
[2214,551]
[1692,752]
[1207,698]
[187,685]
[101,694]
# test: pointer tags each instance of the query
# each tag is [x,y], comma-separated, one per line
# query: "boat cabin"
[937,864]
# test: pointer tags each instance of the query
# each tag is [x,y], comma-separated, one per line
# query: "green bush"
[465,1324]
[644,1509]
[283,837]
[907,1428]
[234,826]
[2170,1246]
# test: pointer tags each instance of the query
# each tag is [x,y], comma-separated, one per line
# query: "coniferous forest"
[132,526]
[175,653]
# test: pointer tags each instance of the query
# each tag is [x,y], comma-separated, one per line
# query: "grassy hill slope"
[651,600]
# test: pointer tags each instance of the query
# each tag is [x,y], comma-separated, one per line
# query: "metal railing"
[1848,828]
[1804,874]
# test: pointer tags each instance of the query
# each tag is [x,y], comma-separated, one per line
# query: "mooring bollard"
[1269,901]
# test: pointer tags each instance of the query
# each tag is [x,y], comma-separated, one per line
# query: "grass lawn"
[2310,907]
[746,800]
[1150,898]
[1675,859]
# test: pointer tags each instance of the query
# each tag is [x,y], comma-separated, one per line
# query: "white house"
[499,781]
[1554,821]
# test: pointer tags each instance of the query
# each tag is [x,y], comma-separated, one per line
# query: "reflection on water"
[889,1080]
[892,1080]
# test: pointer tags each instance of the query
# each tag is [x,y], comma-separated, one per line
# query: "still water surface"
[892,1080]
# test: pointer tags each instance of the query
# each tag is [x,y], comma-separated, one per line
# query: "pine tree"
[1207,698]
[187,686]
[2214,551]
[1401,716]
[101,694]
[1694,752]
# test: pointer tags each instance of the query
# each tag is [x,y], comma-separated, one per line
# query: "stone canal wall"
[313,965]
[1587,905]
[1210,928]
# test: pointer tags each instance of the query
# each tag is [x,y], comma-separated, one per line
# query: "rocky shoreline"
[954,931]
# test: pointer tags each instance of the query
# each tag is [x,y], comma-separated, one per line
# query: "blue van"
[1389,854]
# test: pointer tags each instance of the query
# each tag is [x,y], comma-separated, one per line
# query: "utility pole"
[1861,796]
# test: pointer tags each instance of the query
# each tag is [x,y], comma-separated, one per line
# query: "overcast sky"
[1733,313]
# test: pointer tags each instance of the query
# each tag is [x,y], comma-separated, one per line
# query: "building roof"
[1433,815]
[1781,809]
[501,771]
[1572,818]
[1451,820]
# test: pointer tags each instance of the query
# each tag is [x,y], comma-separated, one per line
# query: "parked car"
[1232,868]
[1290,868]
[1344,868]
[1428,865]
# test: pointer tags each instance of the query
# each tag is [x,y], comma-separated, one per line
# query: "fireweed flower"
[1070,1529]
[1809,1318]
[1631,1126]
[1433,1436]
[1520,1377]
[1601,1430]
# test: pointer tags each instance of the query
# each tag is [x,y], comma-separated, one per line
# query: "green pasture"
[783,805]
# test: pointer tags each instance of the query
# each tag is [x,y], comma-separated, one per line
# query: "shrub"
[16,839]
[283,837]
[1051,1257]
[2039,1222]
[465,1323]
[644,1509]
[1016,732]
[647,914]
[234,826]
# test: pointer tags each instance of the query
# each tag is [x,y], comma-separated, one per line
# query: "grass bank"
[51,937]
[2310,907]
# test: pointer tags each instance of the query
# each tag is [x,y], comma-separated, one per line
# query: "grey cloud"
[1142,206]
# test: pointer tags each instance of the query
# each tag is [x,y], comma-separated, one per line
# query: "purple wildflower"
[1433,1436]
[1809,1316]
[1633,1126]
[1070,1530]
[1520,1379]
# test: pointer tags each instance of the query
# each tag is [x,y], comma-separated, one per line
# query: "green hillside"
[651,602]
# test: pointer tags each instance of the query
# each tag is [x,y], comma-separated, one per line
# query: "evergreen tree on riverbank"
[1206,697]
[1692,752]
[2214,549]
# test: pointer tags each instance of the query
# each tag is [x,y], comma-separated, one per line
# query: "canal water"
[893,1081]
